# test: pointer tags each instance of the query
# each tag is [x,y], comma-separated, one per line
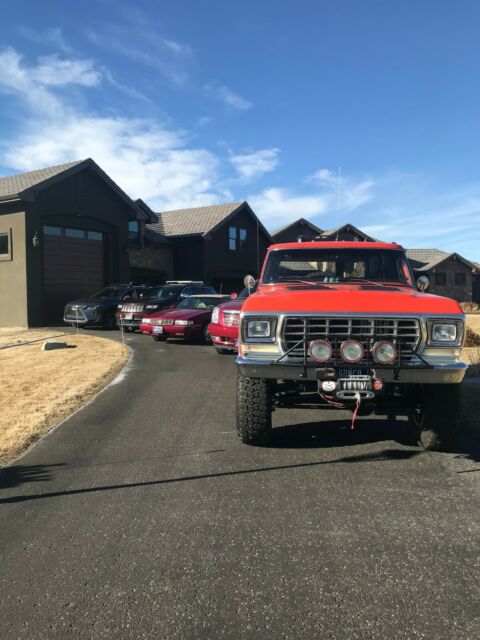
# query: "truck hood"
[345,299]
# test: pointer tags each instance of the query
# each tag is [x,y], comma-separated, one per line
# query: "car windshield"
[164,292]
[108,292]
[337,265]
[201,302]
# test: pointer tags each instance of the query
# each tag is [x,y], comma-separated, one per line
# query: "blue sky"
[190,103]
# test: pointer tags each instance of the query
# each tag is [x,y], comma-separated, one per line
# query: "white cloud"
[255,164]
[227,96]
[51,71]
[49,37]
[277,206]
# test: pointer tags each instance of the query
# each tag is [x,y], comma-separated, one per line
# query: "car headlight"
[445,332]
[119,306]
[147,321]
[92,307]
[151,306]
[184,323]
[259,329]
[215,315]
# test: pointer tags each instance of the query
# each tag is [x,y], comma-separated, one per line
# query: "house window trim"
[7,257]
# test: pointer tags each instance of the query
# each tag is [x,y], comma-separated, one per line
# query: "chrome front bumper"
[438,373]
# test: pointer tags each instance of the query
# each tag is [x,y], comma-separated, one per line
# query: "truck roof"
[336,245]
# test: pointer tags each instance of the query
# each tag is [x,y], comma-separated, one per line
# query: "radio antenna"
[338,198]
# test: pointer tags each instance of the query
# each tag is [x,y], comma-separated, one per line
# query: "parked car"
[189,319]
[167,296]
[100,308]
[223,328]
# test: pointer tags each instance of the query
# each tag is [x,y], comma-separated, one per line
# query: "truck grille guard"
[403,348]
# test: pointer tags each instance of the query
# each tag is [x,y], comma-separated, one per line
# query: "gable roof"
[302,221]
[331,233]
[14,186]
[199,221]
[426,259]
[23,186]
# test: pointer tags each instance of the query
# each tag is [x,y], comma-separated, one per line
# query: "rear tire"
[254,410]
[434,416]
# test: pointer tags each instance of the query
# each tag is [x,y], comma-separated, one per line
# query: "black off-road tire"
[254,410]
[434,416]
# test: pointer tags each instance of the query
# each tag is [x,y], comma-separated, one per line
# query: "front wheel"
[206,339]
[254,410]
[159,337]
[434,415]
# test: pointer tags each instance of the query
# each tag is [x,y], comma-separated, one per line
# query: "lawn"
[40,388]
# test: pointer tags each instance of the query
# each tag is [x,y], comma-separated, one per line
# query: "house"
[64,233]
[450,274]
[303,230]
[218,244]
[299,231]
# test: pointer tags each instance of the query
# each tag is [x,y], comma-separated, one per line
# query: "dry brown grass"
[40,388]
[18,335]
[473,321]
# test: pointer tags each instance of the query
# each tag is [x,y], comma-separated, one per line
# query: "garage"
[73,266]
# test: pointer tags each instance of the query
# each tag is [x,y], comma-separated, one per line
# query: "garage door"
[73,266]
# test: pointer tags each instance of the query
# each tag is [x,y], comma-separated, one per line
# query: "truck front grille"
[231,318]
[132,307]
[298,332]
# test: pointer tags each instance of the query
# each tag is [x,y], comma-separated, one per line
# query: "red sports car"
[188,320]
[223,328]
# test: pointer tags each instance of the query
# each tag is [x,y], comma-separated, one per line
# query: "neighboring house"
[299,231]
[346,232]
[63,234]
[218,244]
[476,284]
[449,273]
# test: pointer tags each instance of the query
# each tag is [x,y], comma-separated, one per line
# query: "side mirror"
[234,295]
[249,282]
[423,283]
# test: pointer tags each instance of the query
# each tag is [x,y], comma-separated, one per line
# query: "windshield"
[164,292]
[108,292]
[244,293]
[201,302]
[334,265]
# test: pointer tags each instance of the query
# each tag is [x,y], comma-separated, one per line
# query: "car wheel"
[206,339]
[222,352]
[130,329]
[109,321]
[434,415]
[254,410]
[159,338]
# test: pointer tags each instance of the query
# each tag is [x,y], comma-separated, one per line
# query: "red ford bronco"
[341,325]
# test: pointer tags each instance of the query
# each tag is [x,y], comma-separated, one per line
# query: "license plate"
[157,329]
[127,316]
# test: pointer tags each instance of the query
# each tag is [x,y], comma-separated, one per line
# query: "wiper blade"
[363,280]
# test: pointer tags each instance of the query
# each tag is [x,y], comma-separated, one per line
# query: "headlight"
[445,332]
[352,351]
[384,352]
[92,307]
[259,329]
[147,321]
[215,315]
[151,306]
[119,306]
[184,323]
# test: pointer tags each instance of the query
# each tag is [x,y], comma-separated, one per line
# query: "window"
[441,279]
[232,238]
[94,235]
[4,244]
[52,231]
[460,279]
[243,238]
[133,230]
[74,233]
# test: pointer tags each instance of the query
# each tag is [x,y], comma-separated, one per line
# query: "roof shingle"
[14,185]
[196,221]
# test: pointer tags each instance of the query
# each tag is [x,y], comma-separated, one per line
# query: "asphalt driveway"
[143,516]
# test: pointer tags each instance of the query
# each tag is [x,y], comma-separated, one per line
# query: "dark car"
[100,308]
[131,313]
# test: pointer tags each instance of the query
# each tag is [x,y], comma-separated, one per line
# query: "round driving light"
[328,385]
[384,352]
[320,350]
[352,351]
